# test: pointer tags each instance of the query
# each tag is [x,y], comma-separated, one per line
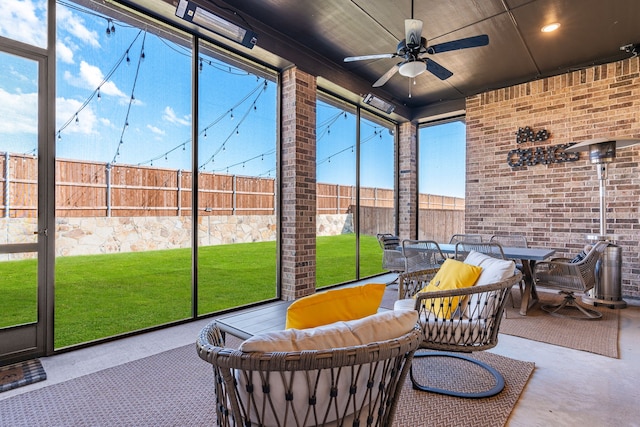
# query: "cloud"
[24,20]
[74,25]
[19,112]
[64,52]
[155,130]
[170,116]
[66,109]
[89,77]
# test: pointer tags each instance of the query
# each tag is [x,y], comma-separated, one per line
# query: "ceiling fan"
[413,50]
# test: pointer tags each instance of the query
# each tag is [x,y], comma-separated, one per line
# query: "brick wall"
[407,181]
[298,178]
[557,204]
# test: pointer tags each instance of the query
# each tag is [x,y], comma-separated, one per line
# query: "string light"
[111,29]
[96,92]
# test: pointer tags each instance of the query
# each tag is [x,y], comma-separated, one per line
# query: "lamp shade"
[412,68]
[602,150]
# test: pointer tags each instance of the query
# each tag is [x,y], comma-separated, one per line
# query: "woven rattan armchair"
[456,321]
[421,254]
[336,386]
[570,277]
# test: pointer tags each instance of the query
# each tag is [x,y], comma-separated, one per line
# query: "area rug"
[175,388]
[20,374]
[595,336]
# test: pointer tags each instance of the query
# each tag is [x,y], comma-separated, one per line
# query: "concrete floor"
[567,388]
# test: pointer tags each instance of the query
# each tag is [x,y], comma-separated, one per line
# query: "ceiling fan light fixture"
[550,27]
[412,68]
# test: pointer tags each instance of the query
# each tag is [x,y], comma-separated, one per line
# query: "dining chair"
[493,249]
[477,238]
[392,257]
[512,241]
[421,255]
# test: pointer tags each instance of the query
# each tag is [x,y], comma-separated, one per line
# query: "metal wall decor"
[538,155]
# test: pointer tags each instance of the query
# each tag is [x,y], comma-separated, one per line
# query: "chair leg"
[499,386]
[393,281]
[569,304]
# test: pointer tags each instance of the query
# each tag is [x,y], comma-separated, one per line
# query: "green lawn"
[99,296]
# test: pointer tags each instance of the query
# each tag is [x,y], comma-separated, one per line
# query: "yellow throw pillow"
[452,275]
[334,305]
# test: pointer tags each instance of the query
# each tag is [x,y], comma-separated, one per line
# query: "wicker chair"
[421,255]
[476,238]
[457,321]
[570,277]
[510,240]
[392,257]
[336,386]
[489,248]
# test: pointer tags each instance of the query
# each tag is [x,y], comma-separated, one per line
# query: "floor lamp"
[608,290]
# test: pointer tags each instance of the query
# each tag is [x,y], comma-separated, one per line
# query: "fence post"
[179,202]
[108,195]
[233,208]
[337,198]
[6,185]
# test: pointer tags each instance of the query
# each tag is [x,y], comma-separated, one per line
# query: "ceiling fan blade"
[365,57]
[412,32]
[382,80]
[438,70]
[468,42]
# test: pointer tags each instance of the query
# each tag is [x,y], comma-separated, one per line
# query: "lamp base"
[604,302]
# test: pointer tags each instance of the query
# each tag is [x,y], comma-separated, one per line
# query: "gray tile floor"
[567,388]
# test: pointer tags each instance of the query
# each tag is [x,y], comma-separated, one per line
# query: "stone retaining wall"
[99,235]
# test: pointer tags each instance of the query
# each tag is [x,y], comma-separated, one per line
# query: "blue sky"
[113,105]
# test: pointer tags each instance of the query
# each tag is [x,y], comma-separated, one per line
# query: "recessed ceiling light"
[551,27]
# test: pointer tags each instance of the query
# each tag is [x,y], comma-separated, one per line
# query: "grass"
[98,296]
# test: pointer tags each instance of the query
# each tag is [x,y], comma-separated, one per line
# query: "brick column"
[408,181]
[298,179]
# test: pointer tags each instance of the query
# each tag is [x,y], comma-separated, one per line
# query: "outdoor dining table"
[528,257]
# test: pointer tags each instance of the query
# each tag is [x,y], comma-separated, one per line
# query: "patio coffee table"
[252,321]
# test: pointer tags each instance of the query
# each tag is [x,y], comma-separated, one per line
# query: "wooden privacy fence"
[92,189]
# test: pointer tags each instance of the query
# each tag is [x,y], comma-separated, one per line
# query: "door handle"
[44,232]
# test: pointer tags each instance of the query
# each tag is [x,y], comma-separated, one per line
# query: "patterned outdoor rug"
[20,374]
[175,388]
[595,336]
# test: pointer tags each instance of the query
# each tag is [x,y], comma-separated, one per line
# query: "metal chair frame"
[421,255]
[570,277]
[460,321]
